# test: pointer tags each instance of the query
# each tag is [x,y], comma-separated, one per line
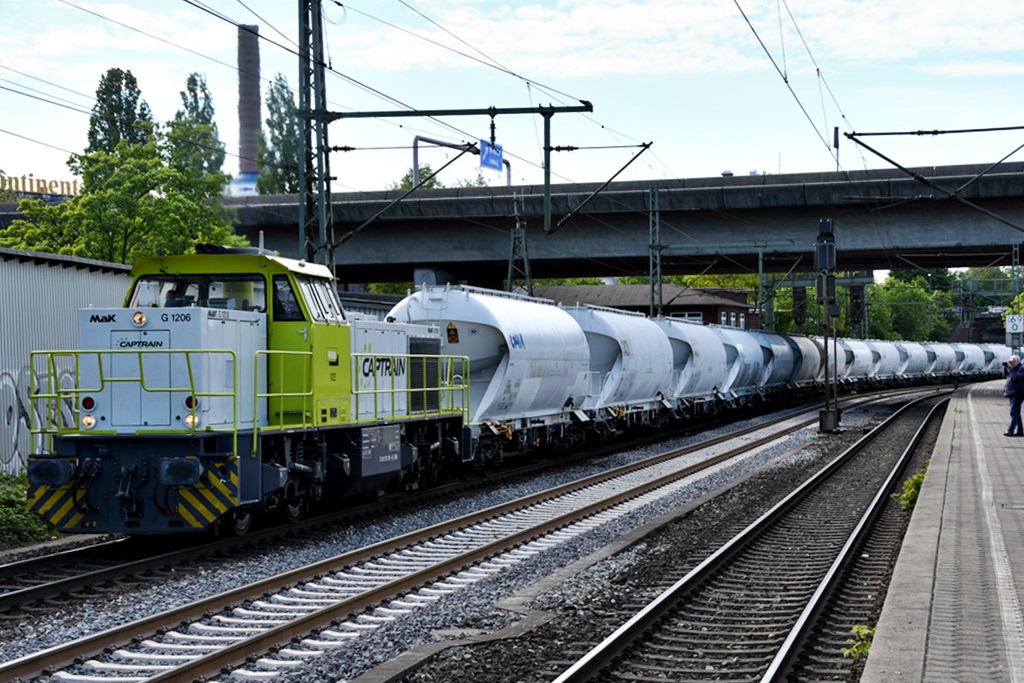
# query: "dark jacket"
[1016,375]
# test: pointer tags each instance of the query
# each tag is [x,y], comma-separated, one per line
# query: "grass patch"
[19,525]
[860,644]
[911,489]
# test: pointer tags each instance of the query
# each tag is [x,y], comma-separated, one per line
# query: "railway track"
[335,600]
[776,602]
[52,581]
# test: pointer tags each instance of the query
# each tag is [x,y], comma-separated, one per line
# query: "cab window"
[286,304]
[322,300]
[237,292]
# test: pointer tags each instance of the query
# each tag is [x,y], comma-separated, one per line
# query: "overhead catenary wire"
[951,194]
[488,61]
[136,30]
[38,142]
[49,83]
[785,78]
[352,233]
[329,69]
[222,16]
[48,101]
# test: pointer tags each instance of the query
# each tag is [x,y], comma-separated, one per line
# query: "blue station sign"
[490,155]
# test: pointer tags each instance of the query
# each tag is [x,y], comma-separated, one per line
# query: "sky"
[746,86]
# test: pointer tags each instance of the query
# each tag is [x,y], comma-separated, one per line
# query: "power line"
[149,35]
[38,142]
[36,90]
[50,83]
[48,101]
[785,79]
[267,23]
[490,63]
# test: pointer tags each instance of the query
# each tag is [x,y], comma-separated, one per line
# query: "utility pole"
[519,278]
[316,218]
[654,228]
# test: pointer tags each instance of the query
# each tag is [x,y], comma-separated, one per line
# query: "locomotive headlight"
[139,318]
[88,421]
[191,420]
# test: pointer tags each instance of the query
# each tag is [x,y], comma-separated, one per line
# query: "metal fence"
[40,295]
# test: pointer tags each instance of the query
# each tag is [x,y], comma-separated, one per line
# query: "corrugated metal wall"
[40,295]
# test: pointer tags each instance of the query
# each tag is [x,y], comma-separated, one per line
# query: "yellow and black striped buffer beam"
[202,504]
[63,507]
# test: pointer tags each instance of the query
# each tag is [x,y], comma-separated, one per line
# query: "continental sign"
[29,184]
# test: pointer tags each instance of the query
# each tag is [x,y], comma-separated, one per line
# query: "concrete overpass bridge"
[883,219]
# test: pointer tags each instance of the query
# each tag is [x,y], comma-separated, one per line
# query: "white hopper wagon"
[743,362]
[528,358]
[630,360]
[698,360]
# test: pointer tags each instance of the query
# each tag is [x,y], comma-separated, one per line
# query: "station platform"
[954,608]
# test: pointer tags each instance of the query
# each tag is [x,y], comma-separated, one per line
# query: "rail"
[212,664]
[593,665]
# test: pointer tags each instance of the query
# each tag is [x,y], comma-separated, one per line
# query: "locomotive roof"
[192,264]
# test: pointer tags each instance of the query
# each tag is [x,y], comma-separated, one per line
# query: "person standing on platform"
[1015,390]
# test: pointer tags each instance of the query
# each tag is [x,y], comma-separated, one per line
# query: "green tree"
[479,181]
[193,136]
[120,113]
[133,203]
[880,316]
[425,172]
[278,158]
[910,308]
[934,278]
[391,288]
[566,281]
[985,273]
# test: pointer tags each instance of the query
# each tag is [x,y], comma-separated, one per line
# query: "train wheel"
[292,510]
[240,521]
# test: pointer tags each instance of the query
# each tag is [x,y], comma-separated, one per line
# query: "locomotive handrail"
[451,374]
[55,395]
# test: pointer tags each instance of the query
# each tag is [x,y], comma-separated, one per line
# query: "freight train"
[232,383]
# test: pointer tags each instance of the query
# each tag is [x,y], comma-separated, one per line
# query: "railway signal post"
[825,264]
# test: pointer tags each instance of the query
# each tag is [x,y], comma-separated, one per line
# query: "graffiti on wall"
[18,414]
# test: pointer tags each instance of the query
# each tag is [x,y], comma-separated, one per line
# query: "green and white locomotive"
[232,383]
